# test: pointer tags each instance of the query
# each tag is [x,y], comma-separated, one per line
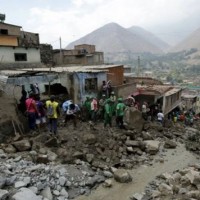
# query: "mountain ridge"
[114,38]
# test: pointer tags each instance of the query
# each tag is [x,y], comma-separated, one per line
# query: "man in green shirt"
[108,113]
[87,108]
[120,113]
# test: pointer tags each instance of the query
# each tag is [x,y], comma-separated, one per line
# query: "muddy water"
[174,159]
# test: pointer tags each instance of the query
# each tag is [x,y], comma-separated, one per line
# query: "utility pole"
[60,51]
[138,68]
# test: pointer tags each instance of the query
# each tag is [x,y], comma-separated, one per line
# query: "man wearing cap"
[120,113]
[53,113]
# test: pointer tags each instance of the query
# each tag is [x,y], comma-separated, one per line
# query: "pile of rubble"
[100,148]
[180,185]
[22,179]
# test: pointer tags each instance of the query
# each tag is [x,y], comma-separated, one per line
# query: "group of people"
[105,108]
[46,114]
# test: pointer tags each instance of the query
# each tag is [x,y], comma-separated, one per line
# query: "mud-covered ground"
[87,156]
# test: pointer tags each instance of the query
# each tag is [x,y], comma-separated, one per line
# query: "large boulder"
[133,118]
[22,145]
[122,176]
[152,146]
[25,194]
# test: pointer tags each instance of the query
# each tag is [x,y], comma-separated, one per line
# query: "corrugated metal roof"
[11,72]
[79,68]
[68,69]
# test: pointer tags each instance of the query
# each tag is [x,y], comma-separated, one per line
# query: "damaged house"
[168,97]
[83,54]
[78,81]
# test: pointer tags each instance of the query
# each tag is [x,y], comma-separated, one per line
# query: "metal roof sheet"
[11,72]
[67,69]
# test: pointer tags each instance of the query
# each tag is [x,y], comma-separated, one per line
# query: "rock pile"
[22,179]
[180,185]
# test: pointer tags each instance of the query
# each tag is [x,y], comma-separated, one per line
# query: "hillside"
[114,38]
[192,41]
[148,36]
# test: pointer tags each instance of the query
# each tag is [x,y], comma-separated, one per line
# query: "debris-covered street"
[91,162]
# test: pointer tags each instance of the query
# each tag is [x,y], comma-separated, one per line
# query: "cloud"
[81,17]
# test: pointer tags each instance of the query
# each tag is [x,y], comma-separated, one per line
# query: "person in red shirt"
[31,109]
[94,109]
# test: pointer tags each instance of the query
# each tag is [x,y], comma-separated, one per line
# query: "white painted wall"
[7,55]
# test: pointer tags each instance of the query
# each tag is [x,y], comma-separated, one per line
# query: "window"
[20,57]
[3,31]
[90,84]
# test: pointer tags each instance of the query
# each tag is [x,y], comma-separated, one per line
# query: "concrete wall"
[12,30]
[124,90]
[28,39]
[7,55]
[144,80]
[87,47]
[170,102]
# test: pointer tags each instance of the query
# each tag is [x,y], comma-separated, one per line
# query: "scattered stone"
[25,194]
[152,146]
[169,144]
[42,159]
[62,180]
[20,184]
[3,194]
[122,176]
[108,183]
[22,145]
[52,142]
[64,193]
[137,196]
[46,193]
[10,149]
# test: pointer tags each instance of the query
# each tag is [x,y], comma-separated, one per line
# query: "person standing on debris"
[108,113]
[120,113]
[53,113]
[65,106]
[113,102]
[31,110]
[22,104]
[160,116]
[72,113]
[94,109]
[144,111]
[87,108]
[104,88]
[102,102]
[40,119]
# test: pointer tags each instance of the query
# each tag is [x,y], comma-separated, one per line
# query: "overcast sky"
[72,19]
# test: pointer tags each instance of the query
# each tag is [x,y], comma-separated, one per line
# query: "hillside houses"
[18,48]
[76,73]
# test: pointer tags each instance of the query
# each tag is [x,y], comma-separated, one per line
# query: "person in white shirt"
[71,113]
[160,116]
